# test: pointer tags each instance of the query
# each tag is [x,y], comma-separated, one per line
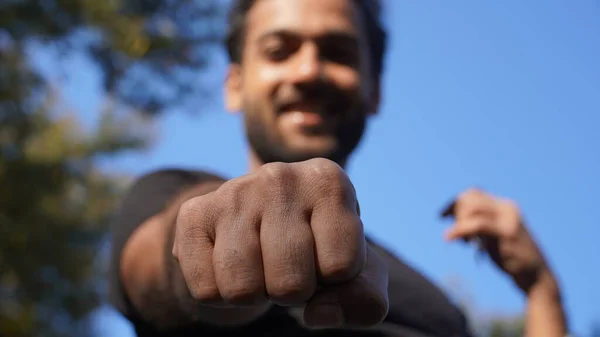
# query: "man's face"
[305,83]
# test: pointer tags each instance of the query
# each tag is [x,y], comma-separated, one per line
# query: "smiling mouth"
[306,118]
[305,112]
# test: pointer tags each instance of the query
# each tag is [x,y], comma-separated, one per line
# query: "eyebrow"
[334,35]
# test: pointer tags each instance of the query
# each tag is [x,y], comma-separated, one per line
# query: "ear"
[233,88]
[375,97]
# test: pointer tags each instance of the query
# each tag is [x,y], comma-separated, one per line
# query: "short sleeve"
[149,195]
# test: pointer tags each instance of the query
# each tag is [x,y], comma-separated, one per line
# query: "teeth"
[298,117]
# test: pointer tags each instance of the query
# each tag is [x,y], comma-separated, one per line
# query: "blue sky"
[504,95]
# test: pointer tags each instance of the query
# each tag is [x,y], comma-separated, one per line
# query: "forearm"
[155,283]
[545,314]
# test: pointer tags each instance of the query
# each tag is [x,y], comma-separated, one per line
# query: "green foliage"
[54,206]
[483,323]
[502,327]
[55,201]
[150,51]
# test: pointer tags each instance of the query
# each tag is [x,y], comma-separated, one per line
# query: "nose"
[308,66]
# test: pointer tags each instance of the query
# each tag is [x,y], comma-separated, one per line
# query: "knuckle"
[511,208]
[291,289]
[473,201]
[325,169]
[512,231]
[190,210]
[238,200]
[330,179]
[188,240]
[239,280]
[275,173]
[191,219]
[235,191]
[242,291]
[195,209]
[345,256]
[338,266]
[511,215]
[278,181]
[472,193]
[204,293]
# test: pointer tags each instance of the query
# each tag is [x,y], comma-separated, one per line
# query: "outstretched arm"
[148,286]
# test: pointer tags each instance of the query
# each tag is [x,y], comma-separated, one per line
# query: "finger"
[339,241]
[491,245]
[511,220]
[288,255]
[331,203]
[362,302]
[194,237]
[238,261]
[470,228]
[471,201]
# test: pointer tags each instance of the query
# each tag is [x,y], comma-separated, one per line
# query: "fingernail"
[325,316]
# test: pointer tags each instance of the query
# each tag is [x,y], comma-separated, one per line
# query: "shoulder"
[160,186]
[171,177]
[416,302]
[151,192]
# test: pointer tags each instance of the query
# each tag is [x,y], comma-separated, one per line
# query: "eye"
[340,53]
[276,52]
[279,47]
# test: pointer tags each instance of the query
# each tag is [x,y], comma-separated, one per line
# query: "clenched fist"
[290,234]
[497,224]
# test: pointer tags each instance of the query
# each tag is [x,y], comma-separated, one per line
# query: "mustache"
[322,95]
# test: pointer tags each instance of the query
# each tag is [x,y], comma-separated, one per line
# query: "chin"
[311,153]
[312,144]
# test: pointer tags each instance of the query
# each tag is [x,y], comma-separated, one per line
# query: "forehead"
[304,17]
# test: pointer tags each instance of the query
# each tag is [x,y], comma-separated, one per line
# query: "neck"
[254,162]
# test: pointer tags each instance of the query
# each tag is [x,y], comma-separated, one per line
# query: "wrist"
[545,288]
[545,313]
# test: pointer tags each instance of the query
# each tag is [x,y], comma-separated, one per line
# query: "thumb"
[361,302]
[456,232]
[468,229]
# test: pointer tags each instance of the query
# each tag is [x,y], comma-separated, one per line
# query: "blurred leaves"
[150,51]
[55,201]
[54,207]
[503,327]
[483,324]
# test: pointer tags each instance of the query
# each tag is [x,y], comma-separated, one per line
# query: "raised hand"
[496,224]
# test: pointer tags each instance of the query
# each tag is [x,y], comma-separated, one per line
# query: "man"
[281,251]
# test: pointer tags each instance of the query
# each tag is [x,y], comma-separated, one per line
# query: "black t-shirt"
[417,307]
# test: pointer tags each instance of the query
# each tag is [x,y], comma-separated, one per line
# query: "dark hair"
[370,9]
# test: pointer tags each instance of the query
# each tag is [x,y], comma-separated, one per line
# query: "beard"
[269,144]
